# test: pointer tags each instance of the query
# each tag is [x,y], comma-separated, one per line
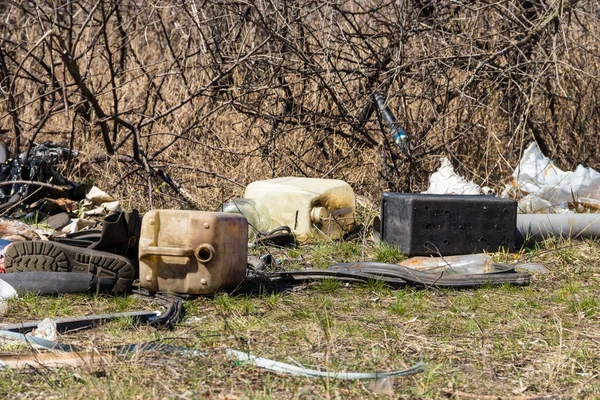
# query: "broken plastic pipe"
[541,226]
[400,137]
[289,369]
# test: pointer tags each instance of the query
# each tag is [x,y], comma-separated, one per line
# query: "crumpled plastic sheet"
[6,291]
[15,230]
[98,202]
[540,186]
[446,181]
[45,330]
[78,224]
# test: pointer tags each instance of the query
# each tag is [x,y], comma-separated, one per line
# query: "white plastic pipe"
[540,226]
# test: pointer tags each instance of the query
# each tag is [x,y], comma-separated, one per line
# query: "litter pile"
[77,242]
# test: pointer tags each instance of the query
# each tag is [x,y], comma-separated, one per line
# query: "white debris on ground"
[539,186]
[77,224]
[6,292]
[97,203]
[446,181]
[45,330]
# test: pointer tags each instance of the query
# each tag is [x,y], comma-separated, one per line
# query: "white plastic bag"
[446,181]
[543,184]
[6,291]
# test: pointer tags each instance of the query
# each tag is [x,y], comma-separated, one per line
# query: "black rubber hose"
[50,283]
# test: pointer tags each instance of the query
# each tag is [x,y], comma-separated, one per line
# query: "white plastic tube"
[540,226]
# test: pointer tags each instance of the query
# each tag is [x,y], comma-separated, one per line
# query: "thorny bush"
[197,95]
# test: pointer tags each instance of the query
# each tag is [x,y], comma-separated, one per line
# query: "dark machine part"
[433,224]
[36,168]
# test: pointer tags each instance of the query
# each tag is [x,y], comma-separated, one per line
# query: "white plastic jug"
[309,206]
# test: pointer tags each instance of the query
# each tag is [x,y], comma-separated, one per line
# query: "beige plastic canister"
[309,206]
[193,252]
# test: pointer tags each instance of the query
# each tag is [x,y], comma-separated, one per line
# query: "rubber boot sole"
[52,256]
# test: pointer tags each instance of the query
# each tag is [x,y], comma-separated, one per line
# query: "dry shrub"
[183,103]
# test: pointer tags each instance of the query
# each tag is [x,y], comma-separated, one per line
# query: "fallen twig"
[35,183]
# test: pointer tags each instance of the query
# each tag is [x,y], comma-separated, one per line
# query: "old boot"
[119,235]
[134,229]
[114,236]
[53,256]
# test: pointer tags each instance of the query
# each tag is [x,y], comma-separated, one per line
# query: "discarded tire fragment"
[397,276]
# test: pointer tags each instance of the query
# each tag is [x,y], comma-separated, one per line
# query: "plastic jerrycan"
[309,206]
[194,252]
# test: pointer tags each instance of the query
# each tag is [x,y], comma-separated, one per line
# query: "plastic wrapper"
[446,181]
[540,186]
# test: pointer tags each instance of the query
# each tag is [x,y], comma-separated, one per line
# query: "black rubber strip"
[85,322]
[419,278]
[345,276]
[393,273]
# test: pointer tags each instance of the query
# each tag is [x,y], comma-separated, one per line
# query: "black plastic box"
[434,224]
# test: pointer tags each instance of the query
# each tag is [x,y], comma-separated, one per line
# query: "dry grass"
[473,81]
[540,340]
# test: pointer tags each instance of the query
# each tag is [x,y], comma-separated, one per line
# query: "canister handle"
[168,251]
[204,253]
